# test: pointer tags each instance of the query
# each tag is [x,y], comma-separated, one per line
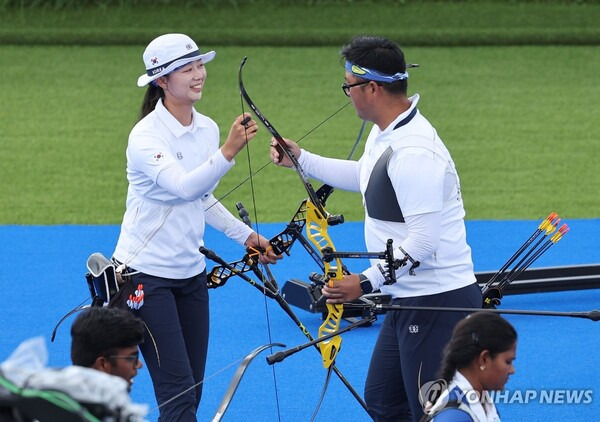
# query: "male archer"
[411,193]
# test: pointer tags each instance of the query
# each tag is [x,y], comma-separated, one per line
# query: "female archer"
[478,359]
[174,163]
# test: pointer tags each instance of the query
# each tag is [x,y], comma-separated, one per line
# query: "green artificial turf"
[519,121]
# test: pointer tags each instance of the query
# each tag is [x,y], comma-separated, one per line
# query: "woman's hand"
[242,130]
[260,243]
[278,156]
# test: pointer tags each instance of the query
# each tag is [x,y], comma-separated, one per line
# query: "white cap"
[168,52]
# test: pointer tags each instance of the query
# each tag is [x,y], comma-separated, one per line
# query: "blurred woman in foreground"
[478,359]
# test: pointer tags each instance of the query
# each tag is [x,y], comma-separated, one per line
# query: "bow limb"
[71,312]
[235,382]
[323,391]
[281,143]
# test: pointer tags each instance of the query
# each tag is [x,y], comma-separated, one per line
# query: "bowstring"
[269,162]
[256,224]
[214,374]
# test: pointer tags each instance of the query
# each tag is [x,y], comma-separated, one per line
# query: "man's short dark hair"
[100,331]
[380,54]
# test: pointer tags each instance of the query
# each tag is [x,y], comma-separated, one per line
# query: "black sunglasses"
[346,87]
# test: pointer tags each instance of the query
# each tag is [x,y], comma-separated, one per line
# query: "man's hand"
[344,290]
[275,152]
[260,243]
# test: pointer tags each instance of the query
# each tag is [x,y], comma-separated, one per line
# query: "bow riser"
[219,275]
[316,231]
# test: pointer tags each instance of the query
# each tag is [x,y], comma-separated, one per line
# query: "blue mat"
[42,277]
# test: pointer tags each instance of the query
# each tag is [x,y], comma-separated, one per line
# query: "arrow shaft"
[592,315]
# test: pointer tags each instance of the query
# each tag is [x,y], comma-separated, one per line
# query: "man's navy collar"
[407,119]
[406,116]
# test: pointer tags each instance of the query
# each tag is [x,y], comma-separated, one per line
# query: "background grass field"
[520,120]
[301,22]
